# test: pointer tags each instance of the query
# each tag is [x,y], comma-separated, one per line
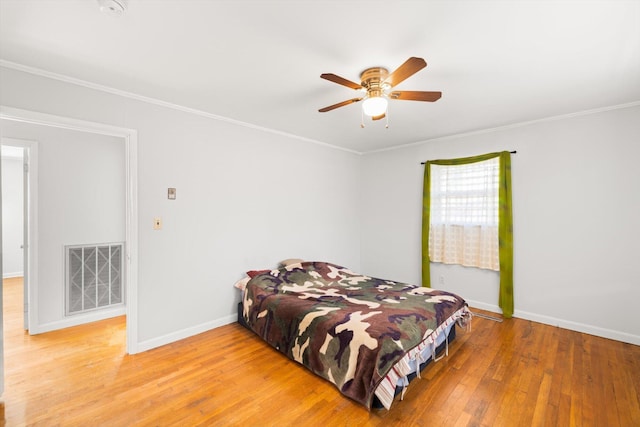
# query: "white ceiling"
[259,62]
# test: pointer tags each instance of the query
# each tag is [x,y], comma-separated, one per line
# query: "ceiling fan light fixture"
[376,88]
[374,106]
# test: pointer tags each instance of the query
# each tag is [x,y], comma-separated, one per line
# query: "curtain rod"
[512,152]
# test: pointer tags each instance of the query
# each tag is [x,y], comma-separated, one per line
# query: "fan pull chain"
[361,118]
[386,116]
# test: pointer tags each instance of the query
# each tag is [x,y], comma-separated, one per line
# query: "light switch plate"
[171,193]
[157,223]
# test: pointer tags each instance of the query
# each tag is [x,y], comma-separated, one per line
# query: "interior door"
[26,152]
[25,227]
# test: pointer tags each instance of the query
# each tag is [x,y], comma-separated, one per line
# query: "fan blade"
[406,70]
[339,104]
[415,95]
[381,116]
[341,81]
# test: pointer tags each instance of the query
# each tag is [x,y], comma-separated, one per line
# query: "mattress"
[365,335]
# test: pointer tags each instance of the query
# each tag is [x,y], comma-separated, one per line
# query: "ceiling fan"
[376,84]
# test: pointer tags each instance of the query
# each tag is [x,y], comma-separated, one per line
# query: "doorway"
[128,138]
[16,189]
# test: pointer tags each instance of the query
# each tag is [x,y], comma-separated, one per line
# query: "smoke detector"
[112,7]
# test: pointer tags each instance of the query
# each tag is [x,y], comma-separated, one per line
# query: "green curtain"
[505,225]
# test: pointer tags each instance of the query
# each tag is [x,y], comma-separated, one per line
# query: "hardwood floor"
[515,373]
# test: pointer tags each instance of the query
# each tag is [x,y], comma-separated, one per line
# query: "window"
[472,220]
[464,214]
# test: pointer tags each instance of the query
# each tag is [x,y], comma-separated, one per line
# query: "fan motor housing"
[372,78]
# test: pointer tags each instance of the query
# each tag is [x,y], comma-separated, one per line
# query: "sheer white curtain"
[464,214]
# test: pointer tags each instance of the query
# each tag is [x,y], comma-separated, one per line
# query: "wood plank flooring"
[515,373]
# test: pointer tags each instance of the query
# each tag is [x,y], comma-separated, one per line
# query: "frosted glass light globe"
[374,106]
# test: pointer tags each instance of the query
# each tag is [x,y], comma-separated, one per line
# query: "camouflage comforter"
[347,328]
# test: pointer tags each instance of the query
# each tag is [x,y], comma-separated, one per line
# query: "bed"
[367,336]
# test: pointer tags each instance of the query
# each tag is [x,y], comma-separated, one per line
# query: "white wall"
[576,204]
[81,200]
[12,216]
[246,199]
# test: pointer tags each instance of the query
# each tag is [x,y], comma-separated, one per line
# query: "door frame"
[29,216]
[130,137]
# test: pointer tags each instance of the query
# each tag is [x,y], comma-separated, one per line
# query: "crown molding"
[161,103]
[512,126]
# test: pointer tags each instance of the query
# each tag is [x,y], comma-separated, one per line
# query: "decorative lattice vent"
[94,277]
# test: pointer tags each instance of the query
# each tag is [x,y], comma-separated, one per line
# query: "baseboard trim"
[185,333]
[562,323]
[579,327]
[484,306]
[78,319]
[12,275]
[547,320]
